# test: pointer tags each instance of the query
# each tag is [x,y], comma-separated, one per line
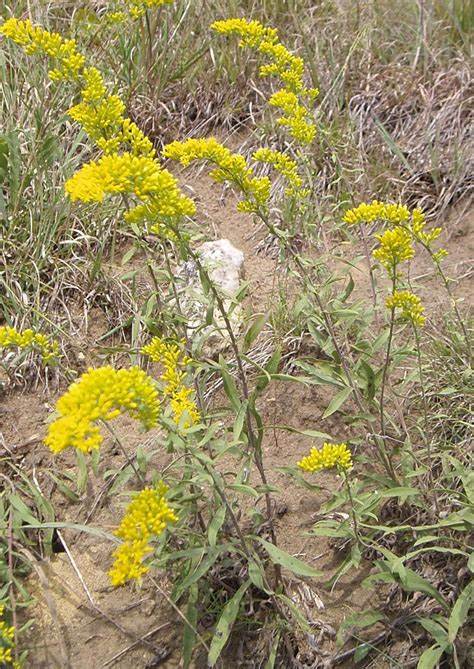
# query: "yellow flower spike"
[135,175]
[7,636]
[29,340]
[285,166]
[134,172]
[377,211]
[174,362]
[283,64]
[330,456]
[146,517]
[101,119]
[231,167]
[410,305]
[396,215]
[395,247]
[439,255]
[34,39]
[101,394]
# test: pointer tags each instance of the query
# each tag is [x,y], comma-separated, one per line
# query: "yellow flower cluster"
[395,247]
[294,97]
[101,120]
[101,115]
[410,305]
[231,167]
[327,457]
[285,166]
[134,8]
[28,339]
[7,635]
[174,362]
[34,39]
[396,215]
[101,394]
[145,517]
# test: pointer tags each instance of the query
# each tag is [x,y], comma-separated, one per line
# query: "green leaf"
[189,633]
[401,492]
[229,385]
[430,658]
[460,611]
[307,433]
[240,419]
[362,651]
[270,664]
[254,330]
[436,630]
[369,376]
[225,624]
[286,560]
[215,525]
[270,368]
[337,401]
[348,289]
[256,572]
[412,582]
[245,489]
[202,568]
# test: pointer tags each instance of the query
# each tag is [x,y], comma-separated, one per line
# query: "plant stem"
[353,512]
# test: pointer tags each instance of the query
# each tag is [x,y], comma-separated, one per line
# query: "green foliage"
[402,391]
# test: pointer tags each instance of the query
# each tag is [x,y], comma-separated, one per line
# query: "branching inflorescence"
[174,361]
[405,228]
[101,395]
[29,340]
[7,637]
[294,98]
[135,9]
[135,171]
[145,517]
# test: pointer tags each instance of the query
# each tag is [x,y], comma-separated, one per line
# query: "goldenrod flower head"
[327,457]
[377,211]
[146,517]
[284,65]
[7,635]
[395,215]
[174,361]
[101,115]
[128,561]
[115,17]
[395,247]
[252,33]
[284,165]
[410,305]
[101,394]
[139,143]
[299,127]
[102,121]
[439,255]
[29,340]
[231,167]
[135,175]
[94,88]
[137,8]
[34,39]
[417,225]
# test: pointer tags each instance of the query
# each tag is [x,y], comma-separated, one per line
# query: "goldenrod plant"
[395,490]
[28,340]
